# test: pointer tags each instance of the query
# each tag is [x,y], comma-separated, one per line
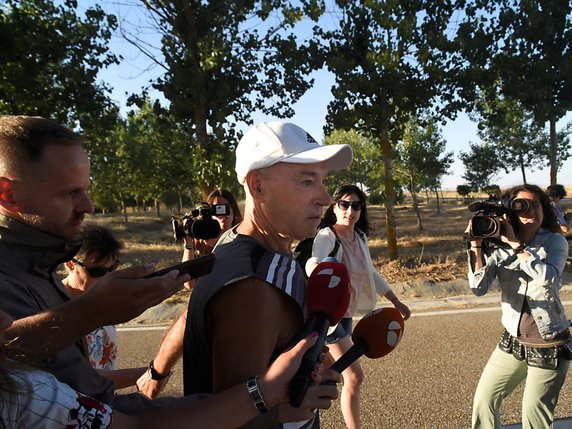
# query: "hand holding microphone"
[327,300]
[375,335]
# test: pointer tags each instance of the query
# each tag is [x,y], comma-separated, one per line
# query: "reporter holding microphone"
[534,344]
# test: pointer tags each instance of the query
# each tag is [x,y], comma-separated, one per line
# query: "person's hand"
[318,396]
[124,294]
[507,231]
[403,309]
[275,384]
[475,241]
[149,387]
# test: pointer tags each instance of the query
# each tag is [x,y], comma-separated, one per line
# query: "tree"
[144,158]
[464,191]
[421,159]
[506,125]
[525,47]
[50,59]
[225,59]
[482,163]
[366,156]
[390,63]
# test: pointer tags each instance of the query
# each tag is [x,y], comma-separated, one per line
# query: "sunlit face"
[225,222]
[295,195]
[348,210]
[53,197]
[534,216]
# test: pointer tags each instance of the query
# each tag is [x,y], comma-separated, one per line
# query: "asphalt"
[420,307]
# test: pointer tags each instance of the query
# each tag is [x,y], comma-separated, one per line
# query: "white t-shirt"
[42,402]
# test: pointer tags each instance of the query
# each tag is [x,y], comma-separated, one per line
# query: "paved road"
[427,382]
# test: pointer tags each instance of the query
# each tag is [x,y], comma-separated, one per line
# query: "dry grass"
[436,253]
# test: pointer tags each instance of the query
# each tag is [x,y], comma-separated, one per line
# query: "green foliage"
[363,167]
[511,129]
[464,190]
[225,59]
[145,158]
[421,157]
[390,63]
[482,163]
[521,50]
[50,58]
[492,190]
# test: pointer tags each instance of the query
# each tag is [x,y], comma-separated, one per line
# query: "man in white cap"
[250,308]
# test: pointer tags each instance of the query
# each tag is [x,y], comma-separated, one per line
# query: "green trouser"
[502,374]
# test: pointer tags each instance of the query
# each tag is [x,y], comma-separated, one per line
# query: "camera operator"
[225,211]
[556,193]
[535,340]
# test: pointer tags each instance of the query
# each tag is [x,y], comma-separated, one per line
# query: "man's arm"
[249,320]
[170,351]
[116,298]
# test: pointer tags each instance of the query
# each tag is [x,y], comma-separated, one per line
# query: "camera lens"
[484,226]
[520,206]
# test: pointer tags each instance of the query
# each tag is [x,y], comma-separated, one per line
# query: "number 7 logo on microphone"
[334,280]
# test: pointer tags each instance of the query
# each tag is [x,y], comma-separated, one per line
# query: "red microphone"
[375,335]
[327,300]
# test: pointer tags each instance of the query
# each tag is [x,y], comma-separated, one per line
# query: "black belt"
[539,357]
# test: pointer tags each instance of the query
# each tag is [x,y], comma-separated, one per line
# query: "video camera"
[199,222]
[485,223]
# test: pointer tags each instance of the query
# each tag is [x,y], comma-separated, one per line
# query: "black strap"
[336,244]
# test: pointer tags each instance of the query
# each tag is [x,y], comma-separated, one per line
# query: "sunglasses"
[355,205]
[97,271]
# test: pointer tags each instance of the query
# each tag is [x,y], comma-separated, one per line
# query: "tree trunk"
[124,209]
[202,140]
[553,147]
[180,203]
[416,210]
[437,201]
[389,195]
[158,207]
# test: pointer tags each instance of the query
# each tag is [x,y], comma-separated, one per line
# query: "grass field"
[435,253]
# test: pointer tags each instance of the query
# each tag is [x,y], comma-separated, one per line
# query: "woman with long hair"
[346,220]
[534,347]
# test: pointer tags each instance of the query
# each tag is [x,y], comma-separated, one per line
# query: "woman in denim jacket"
[534,345]
[346,220]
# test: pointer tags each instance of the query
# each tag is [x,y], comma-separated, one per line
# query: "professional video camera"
[485,223]
[199,222]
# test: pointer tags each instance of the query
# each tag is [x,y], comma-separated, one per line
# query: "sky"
[134,73]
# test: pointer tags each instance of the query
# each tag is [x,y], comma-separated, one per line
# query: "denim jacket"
[537,279]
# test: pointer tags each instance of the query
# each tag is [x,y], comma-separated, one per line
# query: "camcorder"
[486,222]
[199,222]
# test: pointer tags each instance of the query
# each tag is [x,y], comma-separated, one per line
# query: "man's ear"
[254,183]
[7,199]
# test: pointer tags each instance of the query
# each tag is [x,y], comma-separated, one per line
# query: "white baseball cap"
[271,142]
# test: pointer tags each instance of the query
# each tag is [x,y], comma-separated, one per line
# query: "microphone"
[375,335]
[327,300]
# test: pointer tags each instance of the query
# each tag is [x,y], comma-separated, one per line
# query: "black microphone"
[375,335]
[327,300]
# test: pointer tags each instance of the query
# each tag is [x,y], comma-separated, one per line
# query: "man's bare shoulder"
[251,291]
[255,305]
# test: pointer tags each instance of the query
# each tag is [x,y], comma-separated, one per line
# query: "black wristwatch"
[155,375]
[519,249]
